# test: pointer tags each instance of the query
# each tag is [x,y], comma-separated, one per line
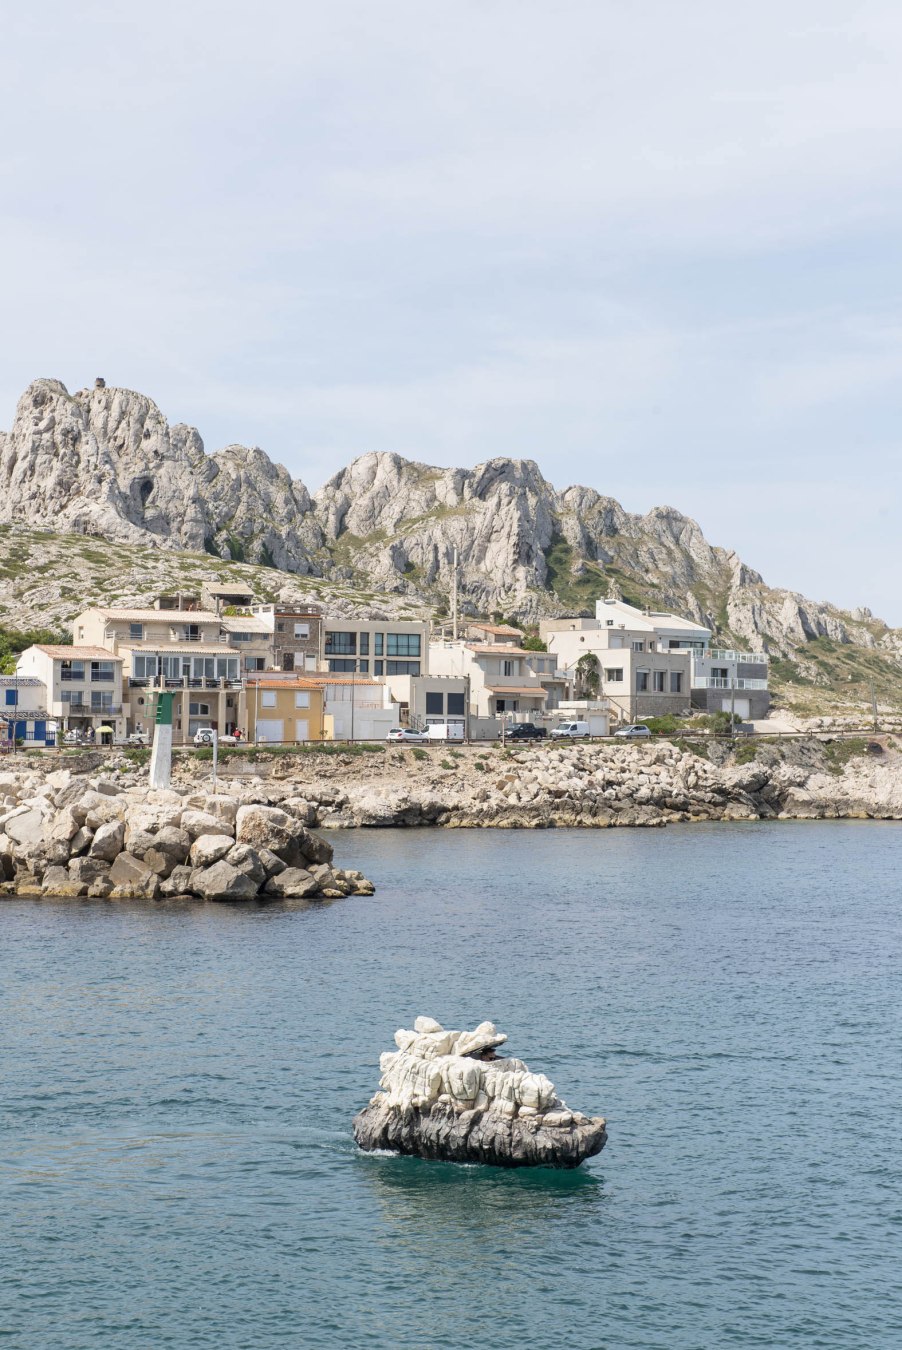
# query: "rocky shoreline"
[598,784]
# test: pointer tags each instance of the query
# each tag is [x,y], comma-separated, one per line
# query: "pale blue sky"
[653,246]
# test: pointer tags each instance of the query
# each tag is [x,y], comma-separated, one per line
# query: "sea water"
[178,1083]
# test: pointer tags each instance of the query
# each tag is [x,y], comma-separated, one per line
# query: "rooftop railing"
[718,682]
[729,654]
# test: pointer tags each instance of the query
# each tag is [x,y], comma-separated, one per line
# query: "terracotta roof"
[78,653]
[514,689]
[285,684]
[496,628]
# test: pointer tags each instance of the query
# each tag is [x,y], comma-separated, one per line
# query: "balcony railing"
[90,710]
[718,682]
[722,654]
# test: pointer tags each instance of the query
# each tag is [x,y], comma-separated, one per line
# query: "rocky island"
[444,1095]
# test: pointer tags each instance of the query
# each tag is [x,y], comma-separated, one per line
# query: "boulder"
[133,879]
[313,847]
[196,823]
[245,859]
[88,869]
[222,882]
[177,883]
[209,848]
[293,884]
[80,841]
[220,806]
[302,810]
[265,827]
[272,863]
[108,841]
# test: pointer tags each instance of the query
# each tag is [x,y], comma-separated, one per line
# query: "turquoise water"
[178,1085]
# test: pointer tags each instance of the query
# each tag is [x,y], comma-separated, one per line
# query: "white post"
[454,561]
[215,755]
[161,756]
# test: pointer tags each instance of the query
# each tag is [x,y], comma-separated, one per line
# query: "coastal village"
[281,674]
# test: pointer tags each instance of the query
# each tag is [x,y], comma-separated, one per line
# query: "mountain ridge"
[105,462]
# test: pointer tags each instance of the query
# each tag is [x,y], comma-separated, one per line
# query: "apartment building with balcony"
[644,661]
[182,651]
[726,680]
[83,686]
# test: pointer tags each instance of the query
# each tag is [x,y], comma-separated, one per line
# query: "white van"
[571,730]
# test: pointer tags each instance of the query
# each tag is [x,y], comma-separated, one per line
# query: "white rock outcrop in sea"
[439,1100]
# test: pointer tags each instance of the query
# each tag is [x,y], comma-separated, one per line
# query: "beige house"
[282,711]
[501,680]
[181,651]
[83,686]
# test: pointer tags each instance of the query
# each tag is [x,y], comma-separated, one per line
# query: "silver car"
[635,731]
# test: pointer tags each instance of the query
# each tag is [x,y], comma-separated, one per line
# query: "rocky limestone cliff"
[105,462]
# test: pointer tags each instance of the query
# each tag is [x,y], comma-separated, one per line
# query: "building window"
[100,700]
[508,667]
[267,698]
[610,623]
[280,627]
[364,667]
[364,644]
[659,681]
[676,682]
[378,667]
[379,641]
[455,705]
[506,704]
[720,673]
[302,699]
[614,675]
[341,667]
[302,630]
[641,681]
[136,632]
[403,644]
[102,672]
[341,644]
[434,704]
[255,663]
[72,670]
[401,667]
[638,646]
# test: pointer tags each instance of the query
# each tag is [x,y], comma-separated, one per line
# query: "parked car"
[525,731]
[406,734]
[635,731]
[571,731]
[204,736]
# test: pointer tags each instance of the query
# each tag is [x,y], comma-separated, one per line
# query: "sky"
[652,246]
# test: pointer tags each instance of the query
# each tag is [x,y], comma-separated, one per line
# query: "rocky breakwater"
[65,835]
[444,1095]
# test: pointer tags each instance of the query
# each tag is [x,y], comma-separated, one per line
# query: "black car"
[525,731]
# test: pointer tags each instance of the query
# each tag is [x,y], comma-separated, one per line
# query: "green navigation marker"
[164,710]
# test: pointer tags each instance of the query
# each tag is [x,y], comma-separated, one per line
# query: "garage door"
[302,729]
[270,729]
[741,707]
